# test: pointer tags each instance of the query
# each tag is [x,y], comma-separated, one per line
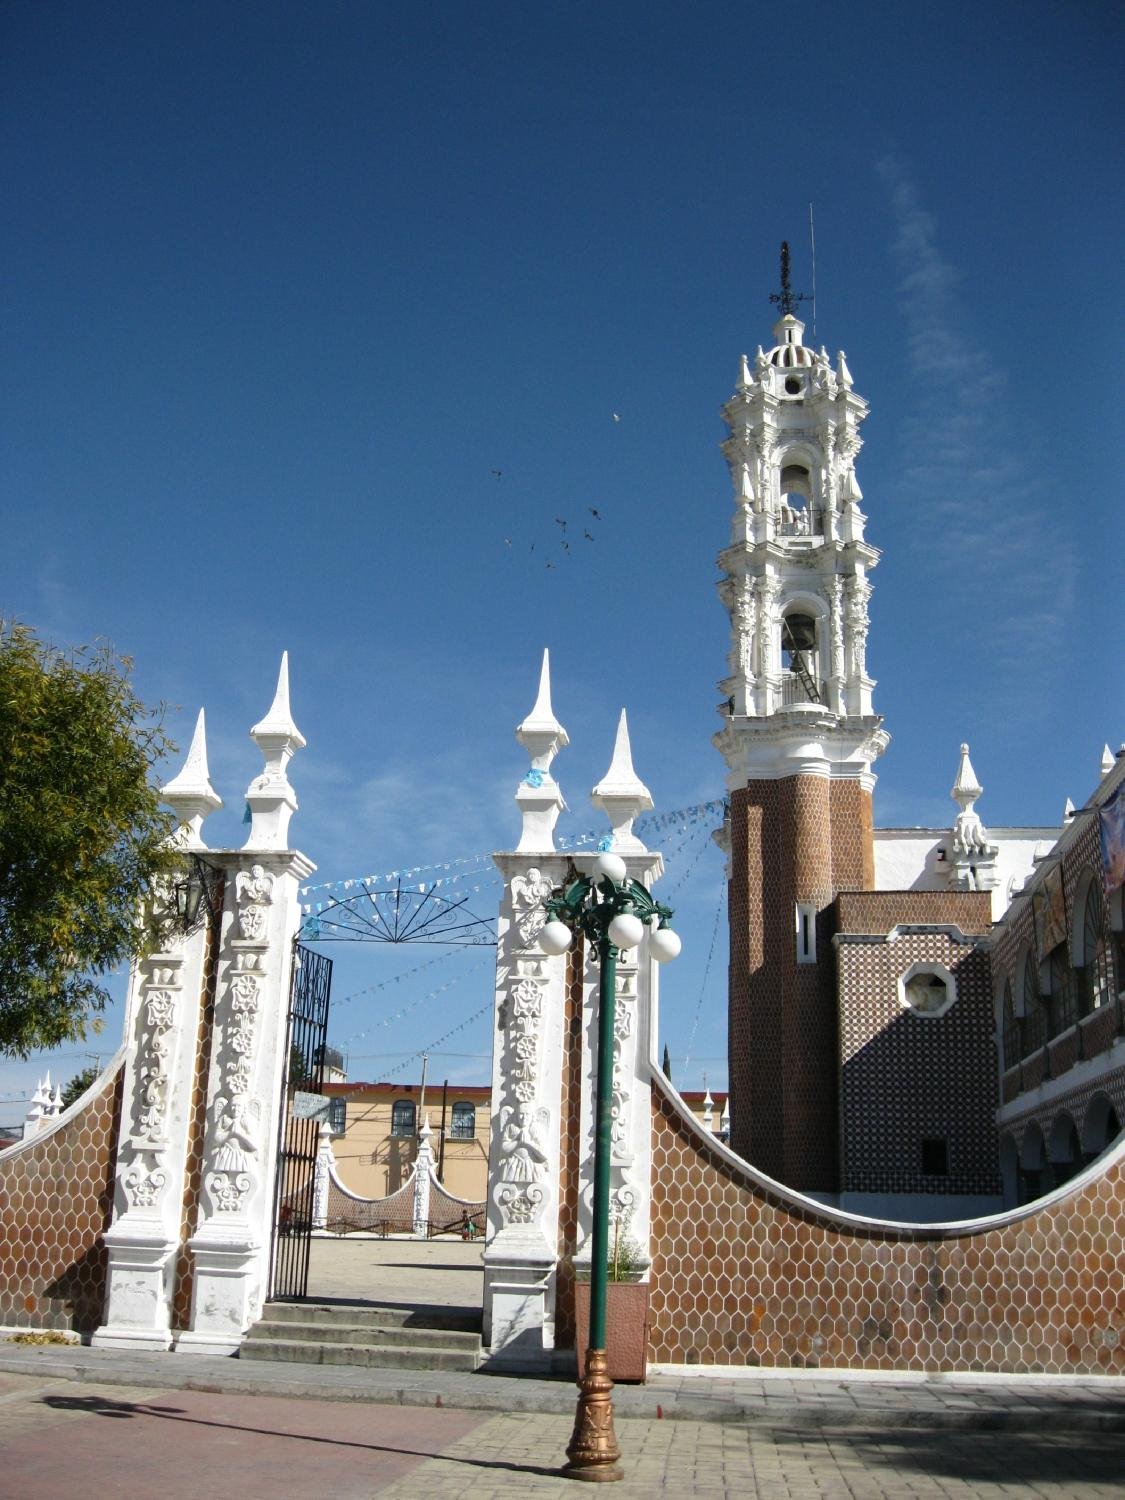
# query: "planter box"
[626,1328]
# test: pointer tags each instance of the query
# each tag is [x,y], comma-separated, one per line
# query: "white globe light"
[664,945]
[626,930]
[555,937]
[612,865]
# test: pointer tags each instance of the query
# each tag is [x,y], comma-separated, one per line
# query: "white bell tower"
[799,738]
[796,571]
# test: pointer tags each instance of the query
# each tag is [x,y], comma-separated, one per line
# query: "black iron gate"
[299,1129]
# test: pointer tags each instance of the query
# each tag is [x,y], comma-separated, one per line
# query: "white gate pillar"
[261,916]
[622,796]
[521,1254]
[162,1012]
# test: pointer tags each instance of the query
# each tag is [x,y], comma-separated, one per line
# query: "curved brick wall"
[56,1198]
[743,1276]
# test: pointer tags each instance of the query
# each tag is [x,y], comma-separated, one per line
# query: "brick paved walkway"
[79,1440]
[809,1399]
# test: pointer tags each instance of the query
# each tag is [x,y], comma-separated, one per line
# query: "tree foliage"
[78,1085]
[82,834]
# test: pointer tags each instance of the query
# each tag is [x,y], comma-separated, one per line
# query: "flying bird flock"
[555,548]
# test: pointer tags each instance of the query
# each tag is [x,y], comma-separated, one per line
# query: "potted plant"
[626,1311]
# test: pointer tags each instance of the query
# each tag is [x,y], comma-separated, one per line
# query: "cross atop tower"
[787,299]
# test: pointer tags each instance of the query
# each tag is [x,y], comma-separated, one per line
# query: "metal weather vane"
[787,299]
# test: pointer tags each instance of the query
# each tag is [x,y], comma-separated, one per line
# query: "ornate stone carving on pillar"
[161,1027]
[322,1176]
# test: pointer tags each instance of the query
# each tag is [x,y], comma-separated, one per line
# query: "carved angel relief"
[254,892]
[523,1129]
[528,895]
[230,1180]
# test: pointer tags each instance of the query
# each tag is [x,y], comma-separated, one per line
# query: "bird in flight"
[587,535]
[496,473]
[560,522]
[616,418]
[596,514]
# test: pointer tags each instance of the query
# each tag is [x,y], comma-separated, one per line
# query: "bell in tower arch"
[798,643]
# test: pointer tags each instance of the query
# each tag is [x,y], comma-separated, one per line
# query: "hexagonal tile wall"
[56,1200]
[739,1276]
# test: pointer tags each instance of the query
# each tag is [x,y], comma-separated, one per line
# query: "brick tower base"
[795,842]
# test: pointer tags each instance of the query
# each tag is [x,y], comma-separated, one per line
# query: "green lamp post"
[611,912]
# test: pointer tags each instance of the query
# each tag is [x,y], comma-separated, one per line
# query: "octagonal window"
[927,989]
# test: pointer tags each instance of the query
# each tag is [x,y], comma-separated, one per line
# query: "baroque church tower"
[799,738]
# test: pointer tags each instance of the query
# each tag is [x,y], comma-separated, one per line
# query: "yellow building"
[375,1134]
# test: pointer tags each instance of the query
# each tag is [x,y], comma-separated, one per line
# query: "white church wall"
[908,859]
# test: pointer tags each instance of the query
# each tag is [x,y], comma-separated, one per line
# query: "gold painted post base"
[592,1453]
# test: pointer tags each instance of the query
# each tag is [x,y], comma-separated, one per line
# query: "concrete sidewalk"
[789,1400]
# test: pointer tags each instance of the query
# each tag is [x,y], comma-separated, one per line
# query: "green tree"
[82,834]
[78,1085]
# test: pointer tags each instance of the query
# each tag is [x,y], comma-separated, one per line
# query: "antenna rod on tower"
[812,245]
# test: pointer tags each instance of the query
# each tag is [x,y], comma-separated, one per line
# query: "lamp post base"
[592,1453]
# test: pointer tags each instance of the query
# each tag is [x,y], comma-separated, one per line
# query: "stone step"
[324,1332]
[403,1357]
[360,1316]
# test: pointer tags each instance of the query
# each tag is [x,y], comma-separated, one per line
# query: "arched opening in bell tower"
[797,513]
[800,657]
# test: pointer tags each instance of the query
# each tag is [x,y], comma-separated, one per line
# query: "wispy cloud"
[979,509]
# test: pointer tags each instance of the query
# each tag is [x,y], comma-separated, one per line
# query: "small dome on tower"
[789,352]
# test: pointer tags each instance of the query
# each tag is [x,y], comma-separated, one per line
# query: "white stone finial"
[271,799]
[966,788]
[973,866]
[622,795]
[279,720]
[746,485]
[541,721]
[1107,762]
[40,1099]
[843,374]
[538,796]
[708,1108]
[190,794]
[56,1100]
[744,376]
[724,1118]
[1068,810]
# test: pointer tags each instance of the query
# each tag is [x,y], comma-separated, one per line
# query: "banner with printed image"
[1111,826]
[1049,906]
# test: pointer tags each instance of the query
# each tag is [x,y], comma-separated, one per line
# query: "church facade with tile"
[865,1034]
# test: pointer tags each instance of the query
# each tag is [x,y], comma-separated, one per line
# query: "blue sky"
[284,286]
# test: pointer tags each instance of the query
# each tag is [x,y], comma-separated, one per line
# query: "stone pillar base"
[137,1291]
[223,1284]
[519,1301]
[130,1338]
